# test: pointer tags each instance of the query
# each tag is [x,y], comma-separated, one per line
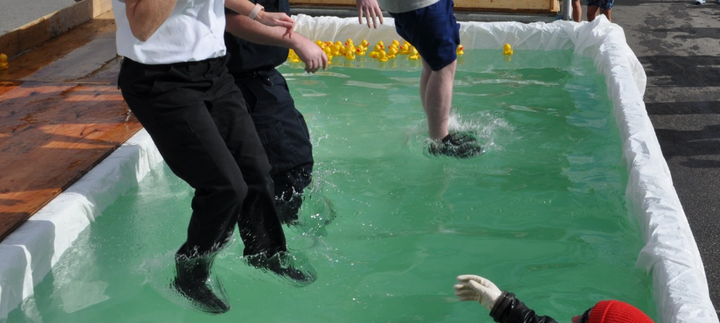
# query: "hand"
[370,9]
[472,287]
[310,53]
[277,19]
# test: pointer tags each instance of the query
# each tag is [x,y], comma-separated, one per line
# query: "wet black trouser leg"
[284,135]
[199,122]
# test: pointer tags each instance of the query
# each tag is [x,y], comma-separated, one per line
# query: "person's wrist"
[255,11]
[501,304]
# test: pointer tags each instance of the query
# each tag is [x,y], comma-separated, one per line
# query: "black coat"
[509,309]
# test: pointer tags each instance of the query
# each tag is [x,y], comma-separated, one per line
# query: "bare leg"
[576,10]
[606,12]
[424,76]
[592,12]
[437,98]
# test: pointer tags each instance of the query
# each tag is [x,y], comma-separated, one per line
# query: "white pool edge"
[28,254]
[670,251]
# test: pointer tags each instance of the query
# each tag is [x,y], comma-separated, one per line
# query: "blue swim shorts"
[603,4]
[433,31]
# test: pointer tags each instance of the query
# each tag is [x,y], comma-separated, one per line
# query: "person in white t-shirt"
[175,81]
[430,26]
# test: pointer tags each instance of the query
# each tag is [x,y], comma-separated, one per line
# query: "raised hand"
[476,288]
[371,10]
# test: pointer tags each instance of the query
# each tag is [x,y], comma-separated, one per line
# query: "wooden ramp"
[527,6]
[60,114]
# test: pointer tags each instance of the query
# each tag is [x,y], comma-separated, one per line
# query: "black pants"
[284,135]
[199,122]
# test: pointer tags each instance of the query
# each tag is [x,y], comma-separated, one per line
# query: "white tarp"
[670,252]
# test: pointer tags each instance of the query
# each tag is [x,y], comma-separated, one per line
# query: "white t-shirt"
[193,32]
[399,6]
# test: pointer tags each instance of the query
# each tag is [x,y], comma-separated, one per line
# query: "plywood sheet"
[60,114]
[479,5]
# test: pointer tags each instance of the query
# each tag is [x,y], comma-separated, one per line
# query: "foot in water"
[457,145]
[191,282]
[284,265]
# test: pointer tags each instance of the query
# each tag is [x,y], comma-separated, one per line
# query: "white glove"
[476,288]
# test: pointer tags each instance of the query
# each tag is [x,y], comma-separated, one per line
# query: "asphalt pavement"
[678,43]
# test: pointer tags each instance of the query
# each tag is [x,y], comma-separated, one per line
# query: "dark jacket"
[509,309]
[247,56]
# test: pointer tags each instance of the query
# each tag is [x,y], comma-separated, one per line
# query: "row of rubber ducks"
[349,50]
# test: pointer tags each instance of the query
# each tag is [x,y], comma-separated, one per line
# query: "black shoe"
[457,145]
[191,282]
[288,210]
[283,265]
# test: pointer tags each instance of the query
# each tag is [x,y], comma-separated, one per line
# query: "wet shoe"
[201,296]
[288,210]
[191,281]
[457,145]
[284,265]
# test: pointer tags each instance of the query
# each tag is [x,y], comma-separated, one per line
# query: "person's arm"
[503,306]
[252,31]
[371,10]
[280,19]
[146,16]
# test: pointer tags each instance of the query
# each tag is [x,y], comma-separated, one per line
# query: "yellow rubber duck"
[378,48]
[338,49]
[328,53]
[349,54]
[349,42]
[293,57]
[382,56]
[395,42]
[414,55]
[320,43]
[364,43]
[507,49]
[405,48]
[4,62]
[360,51]
[460,50]
[392,51]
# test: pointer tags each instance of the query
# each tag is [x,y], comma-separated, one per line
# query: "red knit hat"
[617,312]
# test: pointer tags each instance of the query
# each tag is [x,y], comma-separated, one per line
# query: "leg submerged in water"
[286,266]
[191,281]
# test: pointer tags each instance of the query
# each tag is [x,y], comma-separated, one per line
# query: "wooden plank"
[51,135]
[53,131]
[33,60]
[479,5]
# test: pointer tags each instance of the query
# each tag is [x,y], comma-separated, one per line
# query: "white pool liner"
[670,252]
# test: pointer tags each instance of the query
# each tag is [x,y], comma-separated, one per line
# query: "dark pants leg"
[284,135]
[199,123]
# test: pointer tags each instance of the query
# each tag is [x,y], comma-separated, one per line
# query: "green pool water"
[542,213]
